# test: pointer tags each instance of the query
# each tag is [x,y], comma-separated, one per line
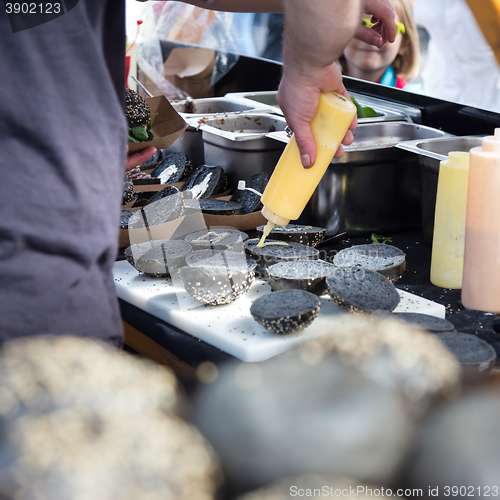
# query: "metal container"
[238,143]
[374,186]
[213,105]
[191,141]
[430,153]
[265,98]
[191,144]
[386,111]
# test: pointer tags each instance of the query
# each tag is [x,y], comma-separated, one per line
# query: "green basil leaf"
[359,110]
[139,133]
[377,238]
[369,112]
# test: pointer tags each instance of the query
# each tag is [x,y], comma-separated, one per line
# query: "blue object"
[389,78]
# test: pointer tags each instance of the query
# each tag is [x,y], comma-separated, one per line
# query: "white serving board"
[231,327]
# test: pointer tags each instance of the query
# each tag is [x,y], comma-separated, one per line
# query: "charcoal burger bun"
[359,289]
[136,109]
[287,311]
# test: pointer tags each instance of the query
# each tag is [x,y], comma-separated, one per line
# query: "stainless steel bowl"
[238,143]
[430,154]
[191,141]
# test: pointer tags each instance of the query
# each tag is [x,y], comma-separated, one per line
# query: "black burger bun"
[136,109]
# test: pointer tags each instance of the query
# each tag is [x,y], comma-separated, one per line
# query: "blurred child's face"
[370,63]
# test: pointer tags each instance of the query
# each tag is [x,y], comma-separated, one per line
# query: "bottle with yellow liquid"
[447,259]
[291,185]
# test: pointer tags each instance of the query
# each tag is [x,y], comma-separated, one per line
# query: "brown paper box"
[245,222]
[178,228]
[159,232]
[189,224]
[194,63]
[166,124]
[191,71]
[188,69]
[195,90]
[148,188]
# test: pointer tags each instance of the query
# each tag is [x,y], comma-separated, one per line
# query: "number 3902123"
[33,8]
[471,491]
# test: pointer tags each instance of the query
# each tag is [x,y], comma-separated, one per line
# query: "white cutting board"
[231,327]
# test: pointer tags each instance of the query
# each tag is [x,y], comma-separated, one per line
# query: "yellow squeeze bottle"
[447,260]
[291,185]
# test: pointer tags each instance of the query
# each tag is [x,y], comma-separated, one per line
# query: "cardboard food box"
[247,222]
[173,229]
[191,71]
[187,69]
[189,224]
[166,125]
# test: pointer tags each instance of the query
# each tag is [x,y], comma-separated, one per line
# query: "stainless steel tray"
[199,111]
[438,149]
[429,154]
[238,143]
[386,135]
[265,98]
[375,142]
[386,111]
[213,105]
[374,186]
[218,129]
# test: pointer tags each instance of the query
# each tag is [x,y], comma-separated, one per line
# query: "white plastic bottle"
[447,261]
[481,278]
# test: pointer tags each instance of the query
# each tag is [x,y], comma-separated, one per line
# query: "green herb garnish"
[377,238]
[359,110]
[369,112]
[363,111]
[139,132]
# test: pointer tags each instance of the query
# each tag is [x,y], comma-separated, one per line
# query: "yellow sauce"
[270,243]
[265,233]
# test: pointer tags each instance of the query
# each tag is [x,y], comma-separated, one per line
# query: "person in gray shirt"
[63,146]
[63,142]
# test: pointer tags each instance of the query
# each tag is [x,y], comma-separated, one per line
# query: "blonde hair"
[406,65]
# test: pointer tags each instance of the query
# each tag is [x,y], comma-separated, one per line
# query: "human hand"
[135,159]
[384,30]
[298,97]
